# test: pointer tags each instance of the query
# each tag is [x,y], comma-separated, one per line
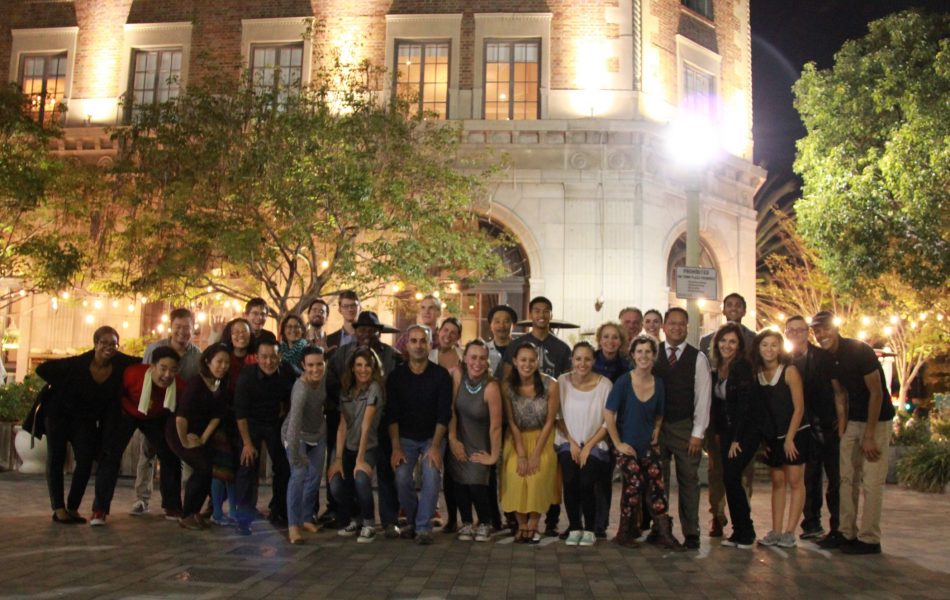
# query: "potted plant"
[16,400]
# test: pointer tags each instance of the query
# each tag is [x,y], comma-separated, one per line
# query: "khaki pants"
[860,475]
[674,447]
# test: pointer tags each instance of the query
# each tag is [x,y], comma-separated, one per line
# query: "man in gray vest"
[685,374]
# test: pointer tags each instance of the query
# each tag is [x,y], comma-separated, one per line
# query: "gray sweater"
[305,423]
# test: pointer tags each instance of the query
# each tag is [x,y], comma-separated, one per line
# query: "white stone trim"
[154,36]
[427,27]
[511,26]
[46,40]
[700,58]
[283,30]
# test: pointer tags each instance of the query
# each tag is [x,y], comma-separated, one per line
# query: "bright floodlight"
[692,139]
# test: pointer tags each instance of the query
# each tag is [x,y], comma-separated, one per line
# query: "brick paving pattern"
[149,557]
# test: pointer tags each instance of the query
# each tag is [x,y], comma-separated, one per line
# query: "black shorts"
[804,443]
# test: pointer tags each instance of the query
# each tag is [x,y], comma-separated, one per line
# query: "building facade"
[578,93]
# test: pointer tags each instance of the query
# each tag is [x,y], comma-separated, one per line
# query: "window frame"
[130,89]
[397,42]
[706,14]
[255,46]
[48,59]
[511,82]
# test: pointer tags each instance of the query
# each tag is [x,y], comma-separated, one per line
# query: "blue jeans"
[419,510]
[304,484]
[344,488]
[219,491]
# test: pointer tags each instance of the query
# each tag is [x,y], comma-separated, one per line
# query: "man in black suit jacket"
[349,306]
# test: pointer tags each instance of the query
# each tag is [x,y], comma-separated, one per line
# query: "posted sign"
[696,282]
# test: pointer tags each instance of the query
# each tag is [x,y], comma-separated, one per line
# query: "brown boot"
[624,531]
[663,528]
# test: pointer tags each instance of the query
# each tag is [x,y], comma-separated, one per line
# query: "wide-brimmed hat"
[368,318]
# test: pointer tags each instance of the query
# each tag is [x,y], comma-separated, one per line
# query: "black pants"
[736,498]
[580,487]
[493,497]
[198,486]
[83,435]
[448,490]
[333,423]
[263,434]
[825,459]
[603,494]
[116,433]
[477,495]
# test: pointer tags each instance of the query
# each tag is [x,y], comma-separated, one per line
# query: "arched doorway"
[475,301]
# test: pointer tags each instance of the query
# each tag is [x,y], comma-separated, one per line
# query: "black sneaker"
[564,534]
[551,531]
[600,534]
[407,532]
[832,541]
[812,534]
[859,547]
[692,542]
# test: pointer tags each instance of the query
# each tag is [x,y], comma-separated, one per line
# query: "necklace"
[474,389]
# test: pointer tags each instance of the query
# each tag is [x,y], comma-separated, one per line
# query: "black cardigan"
[75,392]
[740,411]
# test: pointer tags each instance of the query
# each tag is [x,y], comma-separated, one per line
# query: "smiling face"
[362,371]
[163,372]
[106,347]
[181,331]
[632,323]
[652,324]
[267,358]
[501,325]
[609,340]
[219,364]
[797,333]
[675,328]
[770,347]
[366,335]
[728,346]
[240,335]
[317,315]
[429,312]
[582,361]
[350,309]
[256,316]
[540,316]
[314,367]
[734,309]
[293,331]
[449,335]
[643,355]
[476,361]
[827,336]
[526,362]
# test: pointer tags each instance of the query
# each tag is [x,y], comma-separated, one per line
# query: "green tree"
[876,158]
[236,190]
[44,216]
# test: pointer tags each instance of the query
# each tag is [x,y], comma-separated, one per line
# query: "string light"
[837,321]
[895,319]
[436,293]
[97,304]
[324,264]
[201,317]
[419,296]
[888,331]
[865,320]
[160,328]
[64,295]
[90,320]
[164,319]
[125,324]
[131,307]
[862,335]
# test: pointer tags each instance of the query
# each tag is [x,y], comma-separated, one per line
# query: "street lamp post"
[693,143]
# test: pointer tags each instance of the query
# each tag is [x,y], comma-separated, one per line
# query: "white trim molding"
[427,27]
[282,30]
[47,40]
[155,36]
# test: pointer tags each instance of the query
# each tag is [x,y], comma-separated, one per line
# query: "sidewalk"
[149,557]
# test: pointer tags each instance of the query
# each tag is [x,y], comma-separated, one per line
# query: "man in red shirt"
[146,401]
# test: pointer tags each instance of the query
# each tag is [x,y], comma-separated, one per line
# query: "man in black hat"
[864,426]
[367,329]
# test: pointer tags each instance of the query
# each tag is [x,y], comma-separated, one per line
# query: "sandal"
[533,537]
[522,536]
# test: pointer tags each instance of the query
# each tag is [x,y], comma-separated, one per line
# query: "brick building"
[579,93]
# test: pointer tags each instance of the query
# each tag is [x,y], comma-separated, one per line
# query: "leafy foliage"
[16,399]
[876,158]
[926,468]
[231,189]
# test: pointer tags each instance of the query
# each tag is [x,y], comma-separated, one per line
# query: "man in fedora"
[367,329]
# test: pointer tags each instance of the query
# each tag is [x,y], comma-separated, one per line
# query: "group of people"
[507,429]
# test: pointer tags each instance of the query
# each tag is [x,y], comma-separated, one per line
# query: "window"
[703,7]
[422,76]
[43,79]
[156,77]
[277,69]
[512,79]
[699,93]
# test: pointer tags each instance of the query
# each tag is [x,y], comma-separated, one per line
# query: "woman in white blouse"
[581,448]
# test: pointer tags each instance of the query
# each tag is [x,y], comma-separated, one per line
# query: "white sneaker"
[349,531]
[574,537]
[98,519]
[367,535]
[465,533]
[483,532]
[139,508]
[588,539]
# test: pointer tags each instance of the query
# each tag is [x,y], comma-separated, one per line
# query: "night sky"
[785,35]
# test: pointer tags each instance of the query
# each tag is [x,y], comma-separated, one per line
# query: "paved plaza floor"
[148,557]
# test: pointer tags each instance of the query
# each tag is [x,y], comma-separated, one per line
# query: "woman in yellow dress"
[530,484]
